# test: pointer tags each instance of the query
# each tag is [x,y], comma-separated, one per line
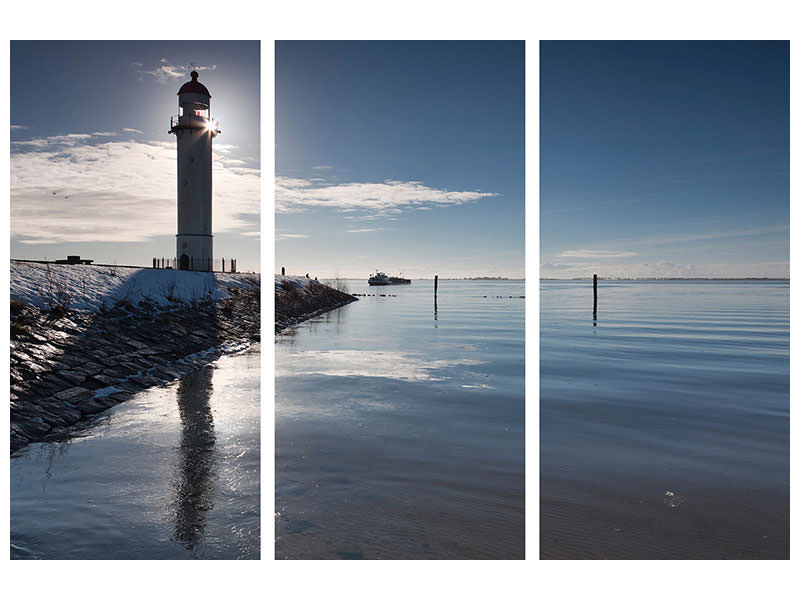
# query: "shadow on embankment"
[66,366]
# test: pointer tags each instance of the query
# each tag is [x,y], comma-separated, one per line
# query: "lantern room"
[194,108]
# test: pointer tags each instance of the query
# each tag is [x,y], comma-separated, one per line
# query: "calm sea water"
[665,423]
[400,426]
[172,473]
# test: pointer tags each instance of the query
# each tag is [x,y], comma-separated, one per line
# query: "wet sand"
[579,522]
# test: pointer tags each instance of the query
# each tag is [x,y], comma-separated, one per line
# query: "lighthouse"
[194,128]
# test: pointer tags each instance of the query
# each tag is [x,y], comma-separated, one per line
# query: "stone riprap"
[298,299]
[67,366]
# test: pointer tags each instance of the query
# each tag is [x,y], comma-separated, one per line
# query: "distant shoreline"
[670,279]
[448,279]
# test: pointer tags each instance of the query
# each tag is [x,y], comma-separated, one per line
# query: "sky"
[664,159]
[404,157]
[93,167]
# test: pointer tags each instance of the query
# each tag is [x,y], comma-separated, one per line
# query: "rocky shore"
[298,299]
[67,365]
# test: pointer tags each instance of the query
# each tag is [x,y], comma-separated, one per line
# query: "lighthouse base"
[195,252]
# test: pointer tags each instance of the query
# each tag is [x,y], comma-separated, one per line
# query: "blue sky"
[89,121]
[400,156]
[664,159]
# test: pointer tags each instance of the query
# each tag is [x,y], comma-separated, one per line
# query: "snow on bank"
[297,282]
[92,287]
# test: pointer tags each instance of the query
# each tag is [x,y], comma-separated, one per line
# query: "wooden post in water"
[435,291]
[594,310]
[283,270]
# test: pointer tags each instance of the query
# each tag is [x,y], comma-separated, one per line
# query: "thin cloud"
[131,130]
[668,239]
[20,127]
[667,269]
[594,254]
[34,241]
[361,217]
[387,198]
[368,230]
[290,236]
[682,238]
[53,141]
[70,139]
[113,191]
[323,167]
[167,72]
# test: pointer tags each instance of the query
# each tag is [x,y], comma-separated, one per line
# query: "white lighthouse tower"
[194,128]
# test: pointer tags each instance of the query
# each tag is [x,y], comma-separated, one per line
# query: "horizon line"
[667,279]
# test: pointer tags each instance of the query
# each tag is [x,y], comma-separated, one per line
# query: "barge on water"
[381,278]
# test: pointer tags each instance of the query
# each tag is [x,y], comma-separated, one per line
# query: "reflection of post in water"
[194,473]
[594,310]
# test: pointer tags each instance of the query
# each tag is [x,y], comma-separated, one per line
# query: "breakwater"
[67,365]
[300,298]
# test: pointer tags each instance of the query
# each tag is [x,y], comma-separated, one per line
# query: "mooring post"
[594,310]
[435,290]
[283,270]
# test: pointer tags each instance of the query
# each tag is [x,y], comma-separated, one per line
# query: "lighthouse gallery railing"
[175,120]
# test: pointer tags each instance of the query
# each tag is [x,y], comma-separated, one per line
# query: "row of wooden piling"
[436,291]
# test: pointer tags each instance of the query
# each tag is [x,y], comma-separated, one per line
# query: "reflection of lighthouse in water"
[194,129]
[195,473]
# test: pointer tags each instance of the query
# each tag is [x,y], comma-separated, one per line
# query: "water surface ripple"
[400,426]
[171,473]
[665,422]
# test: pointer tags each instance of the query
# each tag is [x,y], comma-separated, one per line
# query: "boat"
[379,278]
